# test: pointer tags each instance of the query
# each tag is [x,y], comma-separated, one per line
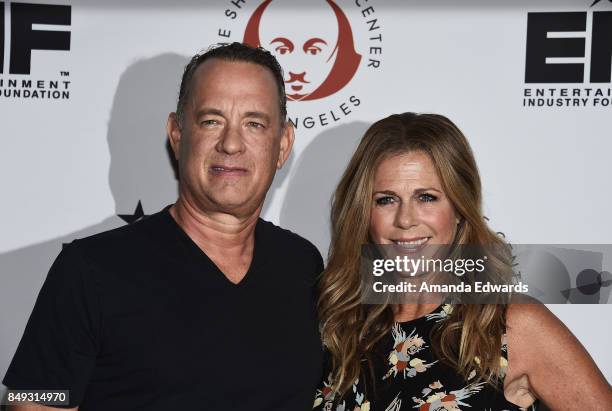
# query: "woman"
[413,181]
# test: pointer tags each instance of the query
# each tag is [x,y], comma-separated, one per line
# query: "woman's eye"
[385,200]
[426,198]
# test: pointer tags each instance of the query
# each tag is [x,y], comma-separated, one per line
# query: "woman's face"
[409,208]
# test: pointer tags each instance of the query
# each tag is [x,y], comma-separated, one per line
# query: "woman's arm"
[557,367]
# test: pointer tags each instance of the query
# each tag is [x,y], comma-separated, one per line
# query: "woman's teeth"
[412,243]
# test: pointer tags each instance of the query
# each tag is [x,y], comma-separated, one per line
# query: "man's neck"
[226,239]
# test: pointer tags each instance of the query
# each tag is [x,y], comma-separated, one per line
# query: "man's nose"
[231,141]
[406,216]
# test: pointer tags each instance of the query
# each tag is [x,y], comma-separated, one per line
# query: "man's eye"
[384,200]
[209,122]
[426,198]
[255,124]
[283,49]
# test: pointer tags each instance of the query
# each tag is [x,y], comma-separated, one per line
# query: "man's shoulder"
[121,240]
[284,240]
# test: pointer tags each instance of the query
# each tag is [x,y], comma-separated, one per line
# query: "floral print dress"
[407,376]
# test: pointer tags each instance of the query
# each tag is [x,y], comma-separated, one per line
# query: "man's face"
[304,46]
[232,139]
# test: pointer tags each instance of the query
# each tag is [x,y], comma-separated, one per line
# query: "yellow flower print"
[436,384]
[435,397]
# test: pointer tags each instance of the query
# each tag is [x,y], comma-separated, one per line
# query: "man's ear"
[174,134]
[286,143]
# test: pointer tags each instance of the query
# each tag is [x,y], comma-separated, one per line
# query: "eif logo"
[568,41]
[569,48]
[26,34]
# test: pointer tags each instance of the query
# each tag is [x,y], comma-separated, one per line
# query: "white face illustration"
[303,39]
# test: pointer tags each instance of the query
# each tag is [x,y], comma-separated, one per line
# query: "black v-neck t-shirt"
[139,318]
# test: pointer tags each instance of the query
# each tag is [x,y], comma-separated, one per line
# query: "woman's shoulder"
[535,333]
[542,349]
[532,325]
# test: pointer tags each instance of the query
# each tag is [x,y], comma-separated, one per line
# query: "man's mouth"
[227,171]
[296,87]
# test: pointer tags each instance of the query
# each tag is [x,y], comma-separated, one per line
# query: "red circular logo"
[318,59]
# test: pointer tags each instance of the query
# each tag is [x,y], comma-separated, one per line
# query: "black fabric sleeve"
[319,260]
[59,346]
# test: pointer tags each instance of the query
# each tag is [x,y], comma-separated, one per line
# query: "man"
[203,305]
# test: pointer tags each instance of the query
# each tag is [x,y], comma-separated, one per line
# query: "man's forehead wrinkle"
[239,101]
[235,106]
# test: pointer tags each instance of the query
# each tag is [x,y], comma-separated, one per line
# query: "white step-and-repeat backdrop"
[86,86]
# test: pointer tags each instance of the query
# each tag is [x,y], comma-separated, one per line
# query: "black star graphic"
[132,218]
